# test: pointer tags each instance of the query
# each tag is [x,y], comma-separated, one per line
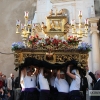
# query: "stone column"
[95,45]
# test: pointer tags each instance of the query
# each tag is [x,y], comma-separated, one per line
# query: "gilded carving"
[54,56]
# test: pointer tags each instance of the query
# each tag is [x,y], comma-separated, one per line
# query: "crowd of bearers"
[44,84]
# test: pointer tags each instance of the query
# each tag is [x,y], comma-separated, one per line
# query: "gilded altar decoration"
[79,32]
[55,46]
[49,56]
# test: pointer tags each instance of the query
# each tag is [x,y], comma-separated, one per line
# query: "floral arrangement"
[84,47]
[54,42]
[17,46]
[73,40]
[33,39]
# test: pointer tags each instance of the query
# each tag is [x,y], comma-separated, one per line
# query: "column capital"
[93,25]
[93,19]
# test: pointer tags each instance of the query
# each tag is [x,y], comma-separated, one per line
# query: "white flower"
[56,37]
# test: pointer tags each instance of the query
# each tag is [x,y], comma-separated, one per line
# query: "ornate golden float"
[56,24]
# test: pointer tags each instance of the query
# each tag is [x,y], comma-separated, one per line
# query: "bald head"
[97,74]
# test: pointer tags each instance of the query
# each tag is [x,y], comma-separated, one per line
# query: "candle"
[80,13]
[86,21]
[29,22]
[33,26]
[17,22]
[22,26]
[26,14]
[73,22]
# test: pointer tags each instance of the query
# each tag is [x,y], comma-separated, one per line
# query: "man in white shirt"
[62,86]
[28,84]
[74,93]
[44,85]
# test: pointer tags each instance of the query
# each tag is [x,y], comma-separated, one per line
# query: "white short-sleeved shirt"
[52,80]
[44,85]
[75,84]
[61,85]
[29,81]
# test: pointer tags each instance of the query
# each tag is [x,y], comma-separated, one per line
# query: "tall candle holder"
[78,31]
[26,28]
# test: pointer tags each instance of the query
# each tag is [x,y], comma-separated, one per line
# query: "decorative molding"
[56,56]
[93,19]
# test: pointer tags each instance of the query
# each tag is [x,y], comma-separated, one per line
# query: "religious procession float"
[52,42]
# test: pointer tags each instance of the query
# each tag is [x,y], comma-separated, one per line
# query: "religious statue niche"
[55,25]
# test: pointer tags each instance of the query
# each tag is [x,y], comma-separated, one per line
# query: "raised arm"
[91,74]
[69,73]
[58,74]
[41,71]
[23,74]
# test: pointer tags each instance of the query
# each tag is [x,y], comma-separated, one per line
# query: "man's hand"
[87,68]
[70,65]
[58,72]
[1,90]
[8,94]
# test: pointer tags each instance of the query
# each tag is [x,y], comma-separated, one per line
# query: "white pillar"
[95,47]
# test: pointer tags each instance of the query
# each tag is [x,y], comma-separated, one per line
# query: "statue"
[66,28]
[44,27]
[59,26]
[61,12]
[51,12]
[52,26]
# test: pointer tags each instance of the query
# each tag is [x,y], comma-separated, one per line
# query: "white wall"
[44,6]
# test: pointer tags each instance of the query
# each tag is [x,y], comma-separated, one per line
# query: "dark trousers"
[62,96]
[44,95]
[26,95]
[53,93]
[12,95]
[75,95]
[84,93]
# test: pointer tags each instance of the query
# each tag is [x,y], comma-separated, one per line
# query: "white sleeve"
[89,71]
[41,77]
[56,82]
[77,79]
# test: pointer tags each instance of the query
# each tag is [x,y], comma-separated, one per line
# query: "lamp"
[79,32]
[26,28]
